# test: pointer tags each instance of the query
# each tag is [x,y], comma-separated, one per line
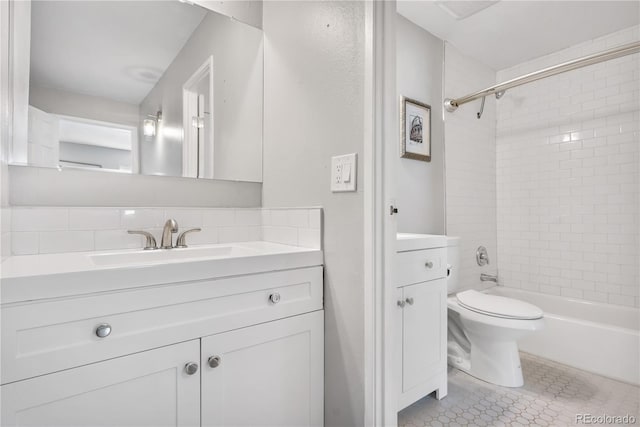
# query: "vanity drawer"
[48,336]
[420,266]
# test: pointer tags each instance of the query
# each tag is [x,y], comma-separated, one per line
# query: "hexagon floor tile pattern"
[552,395]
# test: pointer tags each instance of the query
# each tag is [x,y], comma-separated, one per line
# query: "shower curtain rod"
[627,49]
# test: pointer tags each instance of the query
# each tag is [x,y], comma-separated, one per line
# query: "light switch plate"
[344,172]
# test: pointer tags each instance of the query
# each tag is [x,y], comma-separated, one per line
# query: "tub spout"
[488,278]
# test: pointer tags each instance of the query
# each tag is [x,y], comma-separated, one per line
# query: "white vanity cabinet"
[242,351]
[421,291]
[151,388]
[266,375]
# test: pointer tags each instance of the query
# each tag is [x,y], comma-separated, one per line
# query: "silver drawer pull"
[401,303]
[274,298]
[409,301]
[191,368]
[428,264]
[214,361]
[103,330]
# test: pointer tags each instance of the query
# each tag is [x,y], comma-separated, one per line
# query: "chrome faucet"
[488,278]
[170,227]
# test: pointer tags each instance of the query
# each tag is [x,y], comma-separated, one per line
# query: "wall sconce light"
[149,125]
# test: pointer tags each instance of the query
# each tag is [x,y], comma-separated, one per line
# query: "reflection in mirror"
[151,87]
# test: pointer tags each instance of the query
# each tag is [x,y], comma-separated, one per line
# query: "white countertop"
[34,277]
[414,242]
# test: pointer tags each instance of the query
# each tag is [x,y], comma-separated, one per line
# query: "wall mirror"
[148,87]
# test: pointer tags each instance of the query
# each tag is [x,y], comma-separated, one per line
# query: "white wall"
[314,109]
[470,166]
[237,113]
[568,177]
[56,101]
[420,185]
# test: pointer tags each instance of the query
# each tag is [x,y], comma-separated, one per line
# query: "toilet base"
[493,362]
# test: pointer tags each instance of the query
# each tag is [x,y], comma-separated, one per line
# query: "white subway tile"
[208,236]
[39,219]
[136,219]
[247,217]
[24,243]
[94,218]
[117,239]
[309,238]
[283,235]
[233,234]
[218,217]
[186,218]
[66,241]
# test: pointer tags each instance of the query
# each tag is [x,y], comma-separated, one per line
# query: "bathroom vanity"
[421,288]
[214,335]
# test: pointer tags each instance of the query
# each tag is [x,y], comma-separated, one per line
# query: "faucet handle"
[182,238]
[151,241]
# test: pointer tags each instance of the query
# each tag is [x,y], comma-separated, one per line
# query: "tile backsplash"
[41,230]
[568,180]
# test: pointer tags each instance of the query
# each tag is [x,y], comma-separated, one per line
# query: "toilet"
[483,330]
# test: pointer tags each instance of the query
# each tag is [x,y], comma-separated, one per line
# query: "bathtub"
[596,337]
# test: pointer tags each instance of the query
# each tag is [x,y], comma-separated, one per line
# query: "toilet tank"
[453,265]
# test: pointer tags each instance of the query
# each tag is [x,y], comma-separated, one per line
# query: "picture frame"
[415,119]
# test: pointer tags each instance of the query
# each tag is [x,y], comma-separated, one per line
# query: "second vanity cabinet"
[243,351]
[421,292]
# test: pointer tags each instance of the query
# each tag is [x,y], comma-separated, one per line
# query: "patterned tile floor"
[552,396]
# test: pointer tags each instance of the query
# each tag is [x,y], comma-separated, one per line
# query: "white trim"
[381,141]
[19,60]
[191,163]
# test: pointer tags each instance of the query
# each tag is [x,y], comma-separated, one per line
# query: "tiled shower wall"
[470,162]
[568,177]
[41,230]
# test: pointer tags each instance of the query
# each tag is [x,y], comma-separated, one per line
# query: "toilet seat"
[496,306]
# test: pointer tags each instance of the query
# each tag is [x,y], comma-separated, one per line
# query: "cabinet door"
[424,332]
[265,375]
[151,388]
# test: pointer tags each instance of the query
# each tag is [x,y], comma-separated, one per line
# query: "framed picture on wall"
[415,120]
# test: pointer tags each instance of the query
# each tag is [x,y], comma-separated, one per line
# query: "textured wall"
[420,185]
[314,109]
[568,177]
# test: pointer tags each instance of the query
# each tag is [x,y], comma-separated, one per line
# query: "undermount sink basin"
[169,255]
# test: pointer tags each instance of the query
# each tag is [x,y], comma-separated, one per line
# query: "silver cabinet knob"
[191,368]
[214,361]
[409,301]
[103,330]
[428,264]
[274,297]
[401,303]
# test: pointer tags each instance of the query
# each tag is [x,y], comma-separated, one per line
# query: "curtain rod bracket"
[450,105]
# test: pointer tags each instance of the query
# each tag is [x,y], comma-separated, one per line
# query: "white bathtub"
[596,337]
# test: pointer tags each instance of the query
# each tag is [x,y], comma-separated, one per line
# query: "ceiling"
[113,49]
[508,33]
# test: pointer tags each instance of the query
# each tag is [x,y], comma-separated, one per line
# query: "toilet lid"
[496,306]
